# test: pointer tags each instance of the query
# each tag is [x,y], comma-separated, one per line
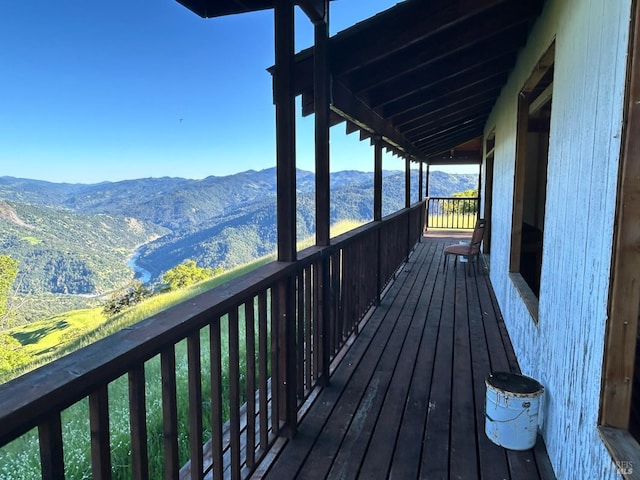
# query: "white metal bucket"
[511,410]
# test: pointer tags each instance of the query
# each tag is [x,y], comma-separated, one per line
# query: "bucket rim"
[514,383]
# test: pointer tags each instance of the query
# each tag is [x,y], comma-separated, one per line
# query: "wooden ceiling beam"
[440,145]
[215,8]
[450,127]
[508,21]
[351,108]
[351,127]
[316,10]
[470,60]
[396,33]
[455,115]
[456,103]
[363,49]
[464,158]
[491,74]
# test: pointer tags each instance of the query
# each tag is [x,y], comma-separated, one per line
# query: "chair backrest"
[476,237]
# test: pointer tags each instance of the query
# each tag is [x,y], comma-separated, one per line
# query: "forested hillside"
[74,239]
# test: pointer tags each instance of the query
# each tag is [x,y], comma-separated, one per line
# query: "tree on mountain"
[465,206]
[185,274]
[8,274]
[132,295]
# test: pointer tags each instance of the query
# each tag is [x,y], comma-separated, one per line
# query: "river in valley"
[141,274]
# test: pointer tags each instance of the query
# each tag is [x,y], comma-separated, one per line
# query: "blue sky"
[94,91]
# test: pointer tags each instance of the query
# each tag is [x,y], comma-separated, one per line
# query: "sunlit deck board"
[407,400]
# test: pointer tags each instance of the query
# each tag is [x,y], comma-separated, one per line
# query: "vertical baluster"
[322,324]
[344,294]
[275,366]
[250,352]
[51,455]
[195,405]
[336,289]
[286,341]
[137,423]
[308,325]
[300,328]
[234,392]
[263,356]
[216,399]
[169,413]
[355,282]
[99,425]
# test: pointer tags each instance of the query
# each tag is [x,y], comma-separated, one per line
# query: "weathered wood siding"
[564,350]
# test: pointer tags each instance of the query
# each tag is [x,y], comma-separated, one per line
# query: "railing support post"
[377,209]
[286,213]
[286,356]
[324,317]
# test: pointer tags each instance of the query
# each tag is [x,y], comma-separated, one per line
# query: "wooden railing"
[452,212]
[224,372]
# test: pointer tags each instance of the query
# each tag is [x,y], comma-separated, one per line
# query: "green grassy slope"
[45,340]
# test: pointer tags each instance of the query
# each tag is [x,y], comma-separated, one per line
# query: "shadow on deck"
[407,399]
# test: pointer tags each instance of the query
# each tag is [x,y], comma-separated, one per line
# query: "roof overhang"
[423,75]
[217,8]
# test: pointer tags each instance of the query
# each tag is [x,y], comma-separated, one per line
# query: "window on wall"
[532,149]
[620,396]
[489,154]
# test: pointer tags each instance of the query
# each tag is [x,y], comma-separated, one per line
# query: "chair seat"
[457,249]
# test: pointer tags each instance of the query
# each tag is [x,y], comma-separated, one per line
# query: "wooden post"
[377,209]
[377,179]
[285,130]
[407,183]
[321,99]
[323,194]
[479,190]
[407,202]
[286,211]
[426,194]
[50,441]
[420,183]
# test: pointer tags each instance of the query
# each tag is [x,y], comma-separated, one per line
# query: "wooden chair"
[470,250]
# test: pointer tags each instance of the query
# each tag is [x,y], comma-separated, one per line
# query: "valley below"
[76,244]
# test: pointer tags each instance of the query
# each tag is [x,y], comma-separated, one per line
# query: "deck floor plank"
[492,458]
[435,457]
[383,443]
[463,459]
[364,405]
[407,399]
[409,445]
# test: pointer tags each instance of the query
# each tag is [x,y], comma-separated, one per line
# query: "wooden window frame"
[526,104]
[624,294]
[489,157]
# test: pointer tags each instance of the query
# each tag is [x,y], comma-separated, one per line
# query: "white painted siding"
[565,349]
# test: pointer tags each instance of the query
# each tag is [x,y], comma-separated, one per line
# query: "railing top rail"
[27,400]
[453,198]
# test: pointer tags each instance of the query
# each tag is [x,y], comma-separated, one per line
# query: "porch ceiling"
[423,75]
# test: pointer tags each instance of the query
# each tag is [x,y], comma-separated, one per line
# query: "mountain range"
[77,238]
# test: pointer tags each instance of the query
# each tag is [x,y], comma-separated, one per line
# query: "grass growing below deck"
[51,339]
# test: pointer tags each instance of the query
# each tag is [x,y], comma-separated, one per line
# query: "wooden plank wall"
[565,349]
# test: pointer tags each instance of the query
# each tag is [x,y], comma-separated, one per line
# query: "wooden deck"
[407,399]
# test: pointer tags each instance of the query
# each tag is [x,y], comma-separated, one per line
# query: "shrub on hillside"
[133,294]
[12,355]
[185,274]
